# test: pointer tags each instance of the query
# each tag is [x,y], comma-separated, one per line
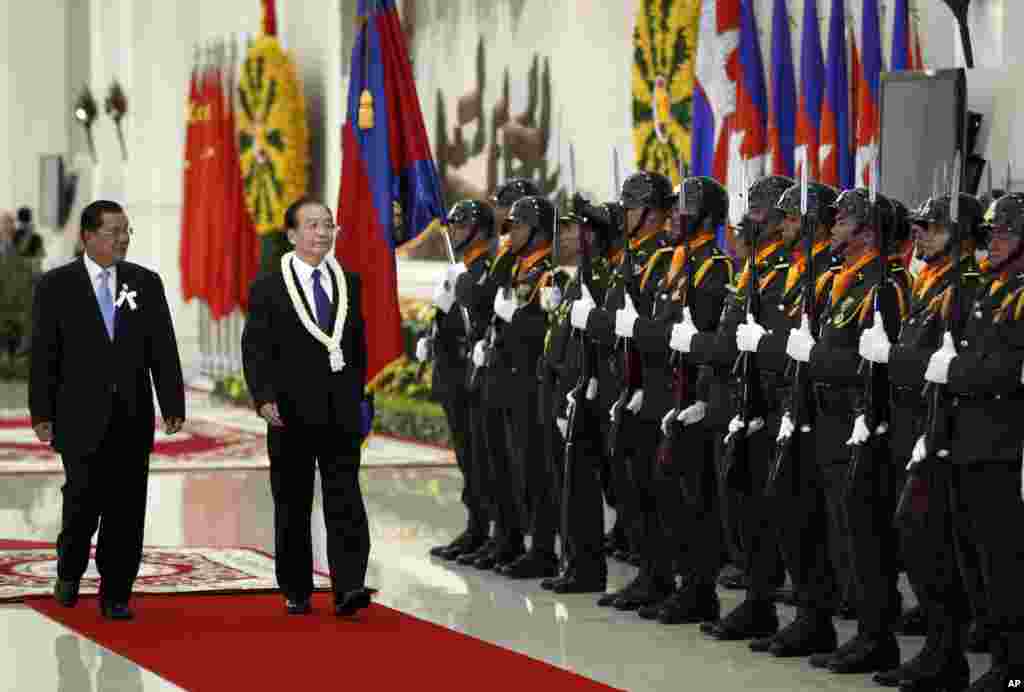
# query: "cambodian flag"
[836,154]
[752,106]
[906,43]
[782,115]
[812,93]
[384,161]
[867,90]
[714,94]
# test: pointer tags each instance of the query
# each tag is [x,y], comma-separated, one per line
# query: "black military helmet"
[536,212]
[705,200]
[509,192]
[647,190]
[856,203]
[471,212]
[1007,212]
[606,219]
[820,199]
[936,210]
[765,193]
[899,231]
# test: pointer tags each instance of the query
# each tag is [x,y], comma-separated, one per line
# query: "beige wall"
[47,47]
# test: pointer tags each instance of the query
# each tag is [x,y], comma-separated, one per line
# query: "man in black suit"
[304,354]
[91,397]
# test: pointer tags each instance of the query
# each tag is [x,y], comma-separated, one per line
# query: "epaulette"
[652,262]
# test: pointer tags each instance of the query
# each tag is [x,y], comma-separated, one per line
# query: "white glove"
[749,335]
[860,434]
[636,402]
[479,354]
[667,420]
[625,319]
[592,389]
[444,298]
[613,410]
[800,342]
[563,426]
[754,426]
[735,425]
[694,413]
[453,273]
[786,428]
[505,308]
[423,349]
[874,343]
[919,453]
[570,399]
[550,298]
[938,364]
[683,333]
[581,309]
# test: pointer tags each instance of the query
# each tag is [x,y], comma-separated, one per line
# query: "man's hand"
[938,364]
[625,319]
[874,343]
[581,309]
[749,335]
[444,298]
[683,333]
[269,413]
[505,308]
[44,431]
[800,342]
[423,349]
[173,425]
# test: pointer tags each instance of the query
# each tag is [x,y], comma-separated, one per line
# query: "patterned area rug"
[216,436]
[30,571]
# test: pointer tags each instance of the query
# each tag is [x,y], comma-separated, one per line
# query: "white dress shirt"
[305,273]
[94,277]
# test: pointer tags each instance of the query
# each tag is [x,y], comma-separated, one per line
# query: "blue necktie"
[106,302]
[323,303]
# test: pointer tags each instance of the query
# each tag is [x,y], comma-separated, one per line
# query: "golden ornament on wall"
[273,136]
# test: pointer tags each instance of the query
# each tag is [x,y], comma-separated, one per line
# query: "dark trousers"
[689,507]
[758,525]
[930,555]
[803,519]
[295,453]
[987,514]
[107,489]
[508,522]
[834,457]
[531,468]
[638,446]
[584,504]
[457,404]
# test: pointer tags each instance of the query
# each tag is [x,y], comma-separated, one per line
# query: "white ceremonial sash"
[332,341]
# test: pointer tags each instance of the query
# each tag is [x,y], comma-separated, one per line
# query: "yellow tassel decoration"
[366,110]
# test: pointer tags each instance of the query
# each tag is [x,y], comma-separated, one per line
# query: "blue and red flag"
[812,93]
[867,90]
[836,154]
[782,115]
[714,93]
[751,103]
[906,43]
[385,160]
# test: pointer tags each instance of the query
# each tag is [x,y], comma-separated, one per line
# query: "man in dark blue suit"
[101,330]
[304,353]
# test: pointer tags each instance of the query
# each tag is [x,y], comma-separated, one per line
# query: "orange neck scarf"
[846,275]
[527,263]
[474,251]
[796,270]
[929,276]
[679,255]
[761,257]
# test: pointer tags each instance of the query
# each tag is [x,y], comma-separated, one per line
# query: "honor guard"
[455,329]
[570,361]
[631,427]
[870,288]
[758,296]
[928,545]
[687,281]
[479,295]
[979,366]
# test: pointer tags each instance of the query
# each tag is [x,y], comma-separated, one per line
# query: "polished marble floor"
[410,510]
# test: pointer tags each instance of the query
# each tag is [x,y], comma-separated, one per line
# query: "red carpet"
[246,642]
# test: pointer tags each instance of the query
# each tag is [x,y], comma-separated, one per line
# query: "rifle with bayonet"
[938,433]
[875,408]
[680,369]
[736,465]
[501,264]
[802,410]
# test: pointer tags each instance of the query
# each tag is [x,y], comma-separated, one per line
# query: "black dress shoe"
[691,604]
[812,634]
[116,611]
[650,612]
[786,596]
[582,583]
[352,602]
[762,644]
[504,558]
[751,619]
[532,565]
[66,592]
[934,668]
[734,579]
[298,606]
[470,557]
[549,583]
[998,678]
[867,654]
[645,591]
